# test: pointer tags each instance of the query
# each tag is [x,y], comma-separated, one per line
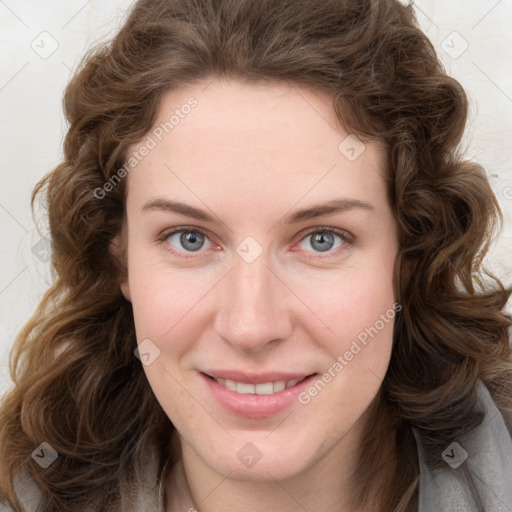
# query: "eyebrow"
[334,206]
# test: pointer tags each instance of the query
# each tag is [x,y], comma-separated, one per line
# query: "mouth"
[264,388]
[269,396]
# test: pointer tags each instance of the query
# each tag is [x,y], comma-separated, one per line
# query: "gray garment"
[481,483]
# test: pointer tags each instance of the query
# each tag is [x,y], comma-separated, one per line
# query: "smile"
[267,395]
[265,388]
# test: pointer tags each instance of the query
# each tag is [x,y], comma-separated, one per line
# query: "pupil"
[324,240]
[191,239]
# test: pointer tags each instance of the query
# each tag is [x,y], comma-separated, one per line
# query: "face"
[260,251]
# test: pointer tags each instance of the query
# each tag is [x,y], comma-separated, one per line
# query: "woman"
[268,276]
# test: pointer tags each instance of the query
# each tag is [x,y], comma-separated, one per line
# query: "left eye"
[323,240]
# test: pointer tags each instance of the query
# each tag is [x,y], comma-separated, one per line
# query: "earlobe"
[125,288]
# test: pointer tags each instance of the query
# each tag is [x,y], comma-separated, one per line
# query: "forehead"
[252,140]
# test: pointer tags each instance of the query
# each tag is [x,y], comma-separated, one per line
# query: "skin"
[249,154]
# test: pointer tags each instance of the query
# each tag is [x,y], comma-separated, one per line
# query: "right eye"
[186,240]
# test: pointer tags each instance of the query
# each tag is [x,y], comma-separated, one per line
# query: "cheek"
[365,330]
[345,303]
[162,297]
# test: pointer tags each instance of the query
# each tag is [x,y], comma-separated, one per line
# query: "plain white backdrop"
[42,42]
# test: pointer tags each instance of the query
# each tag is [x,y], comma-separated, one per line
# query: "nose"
[253,309]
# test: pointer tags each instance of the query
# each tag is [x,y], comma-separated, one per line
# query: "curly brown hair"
[77,384]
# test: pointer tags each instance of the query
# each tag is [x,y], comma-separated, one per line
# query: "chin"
[265,463]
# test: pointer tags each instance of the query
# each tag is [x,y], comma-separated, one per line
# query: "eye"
[324,239]
[187,239]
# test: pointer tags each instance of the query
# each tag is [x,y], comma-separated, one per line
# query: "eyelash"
[342,234]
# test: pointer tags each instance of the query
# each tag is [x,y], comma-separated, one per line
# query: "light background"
[42,42]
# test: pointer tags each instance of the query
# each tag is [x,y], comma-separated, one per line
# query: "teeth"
[279,385]
[267,388]
[264,389]
[245,389]
[230,384]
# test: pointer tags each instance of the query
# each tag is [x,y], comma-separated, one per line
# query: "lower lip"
[255,406]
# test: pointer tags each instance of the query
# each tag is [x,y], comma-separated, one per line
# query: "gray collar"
[477,476]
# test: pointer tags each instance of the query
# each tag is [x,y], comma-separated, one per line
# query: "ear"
[118,251]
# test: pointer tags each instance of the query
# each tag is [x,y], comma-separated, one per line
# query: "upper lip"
[254,378]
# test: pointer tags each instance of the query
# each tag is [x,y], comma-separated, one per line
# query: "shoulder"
[478,467]
[145,494]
